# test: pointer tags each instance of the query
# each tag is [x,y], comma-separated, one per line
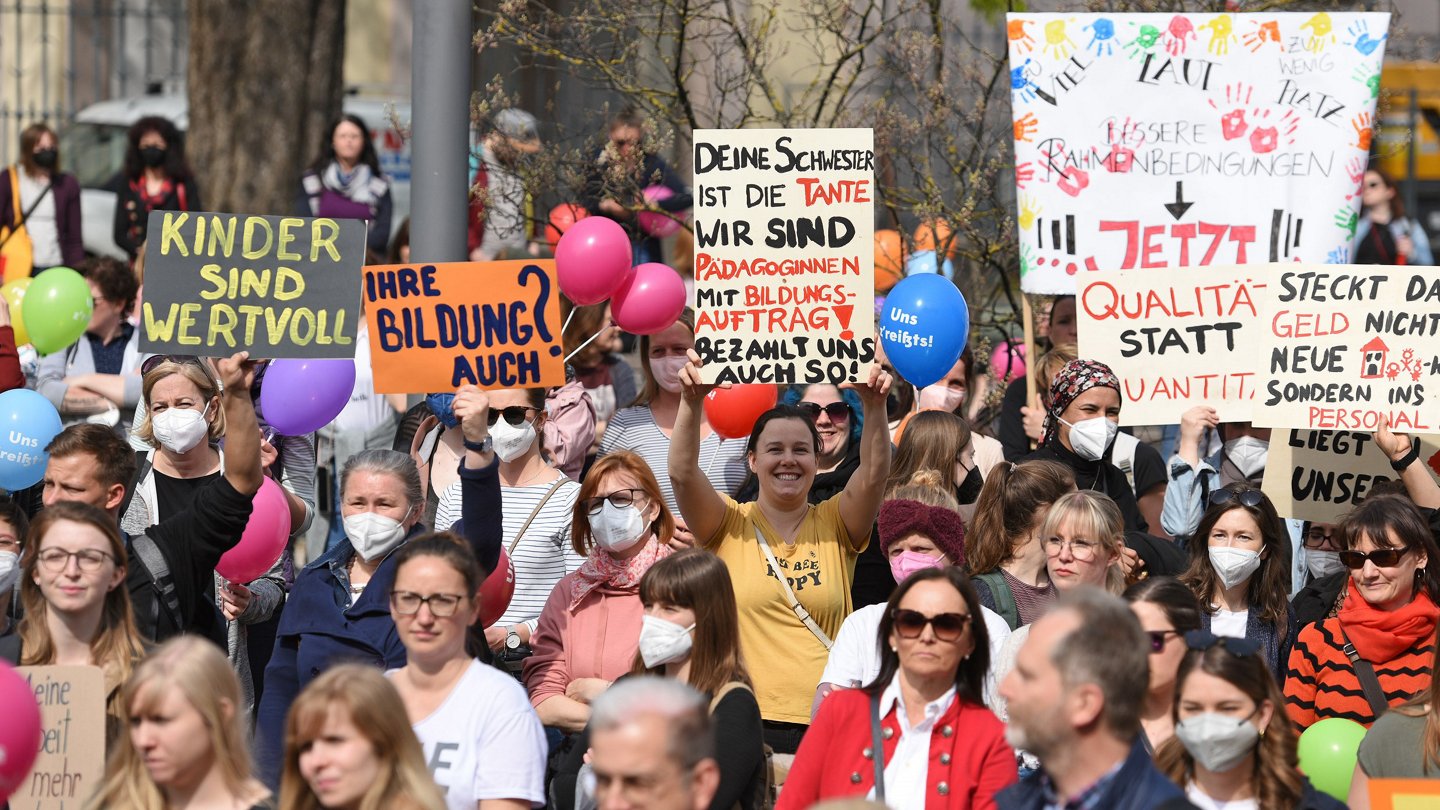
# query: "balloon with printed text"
[263,539]
[302,396]
[592,260]
[56,308]
[732,411]
[27,424]
[659,224]
[562,217]
[497,590]
[1327,752]
[20,733]
[14,293]
[650,300]
[924,327]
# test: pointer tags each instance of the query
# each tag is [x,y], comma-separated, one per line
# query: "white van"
[93,149]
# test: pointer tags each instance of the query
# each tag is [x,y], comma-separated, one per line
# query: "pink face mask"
[906,563]
[940,397]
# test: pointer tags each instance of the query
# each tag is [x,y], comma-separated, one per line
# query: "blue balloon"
[923,261]
[27,424]
[924,327]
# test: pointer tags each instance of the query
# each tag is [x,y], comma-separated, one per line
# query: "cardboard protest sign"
[436,327]
[784,254]
[1185,140]
[1404,794]
[1345,344]
[1176,338]
[1319,475]
[72,743]
[276,286]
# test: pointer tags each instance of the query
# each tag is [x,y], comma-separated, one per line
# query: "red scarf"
[150,201]
[1383,635]
[602,569]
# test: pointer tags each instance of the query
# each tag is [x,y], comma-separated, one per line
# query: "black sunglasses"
[838,412]
[1246,497]
[1382,557]
[1159,637]
[948,626]
[151,363]
[1204,640]
[515,415]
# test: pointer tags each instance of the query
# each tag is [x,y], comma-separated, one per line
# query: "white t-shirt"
[1200,800]
[485,741]
[1229,623]
[855,656]
[366,409]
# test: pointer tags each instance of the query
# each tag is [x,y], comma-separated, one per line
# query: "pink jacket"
[569,427]
[597,640]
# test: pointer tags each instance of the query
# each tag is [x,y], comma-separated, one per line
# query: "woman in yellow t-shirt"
[814,546]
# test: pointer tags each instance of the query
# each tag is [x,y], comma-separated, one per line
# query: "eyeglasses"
[1080,549]
[1246,497]
[1204,640]
[89,560]
[1159,637]
[838,412]
[442,605]
[619,499]
[1316,538]
[515,415]
[1382,557]
[948,626]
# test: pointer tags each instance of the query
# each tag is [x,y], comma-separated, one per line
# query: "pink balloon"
[264,537]
[657,224]
[592,260]
[650,301]
[1007,362]
[20,733]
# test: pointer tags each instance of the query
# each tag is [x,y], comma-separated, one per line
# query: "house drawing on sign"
[1372,365]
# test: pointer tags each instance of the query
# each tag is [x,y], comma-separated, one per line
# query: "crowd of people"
[882,594]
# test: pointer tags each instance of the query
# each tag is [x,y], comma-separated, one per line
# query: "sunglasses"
[151,363]
[1204,640]
[838,412]
[1245,497]
[948,626]
[1382,557]
[515,415]
[1159,637]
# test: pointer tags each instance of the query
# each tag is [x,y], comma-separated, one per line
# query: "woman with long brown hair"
[1233,744]
[42,205]
[1403,744]
[1003,548]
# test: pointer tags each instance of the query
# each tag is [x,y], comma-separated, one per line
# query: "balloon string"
[590,340]
[568,319]
[718,446]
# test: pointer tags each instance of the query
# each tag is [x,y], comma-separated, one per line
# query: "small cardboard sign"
[435,327]
[275,286]
[1319,475]
[71,763]
[1404,794]
[784,254]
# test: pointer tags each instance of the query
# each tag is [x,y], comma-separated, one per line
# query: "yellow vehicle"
[1407,145]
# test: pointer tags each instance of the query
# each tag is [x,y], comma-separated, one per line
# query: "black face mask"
[152,156]
[46,158]
[968,491]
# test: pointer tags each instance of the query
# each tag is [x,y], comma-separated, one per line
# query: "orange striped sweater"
[1399,644]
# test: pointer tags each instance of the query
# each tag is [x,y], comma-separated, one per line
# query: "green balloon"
[1327,754]
[56,309]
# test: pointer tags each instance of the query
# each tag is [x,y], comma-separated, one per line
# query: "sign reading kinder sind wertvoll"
[1345,345]
[275,286]
[784,254]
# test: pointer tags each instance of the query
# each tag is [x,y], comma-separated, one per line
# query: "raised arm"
[1421,488]
[242,429]
[701,507]
[860,501]
[479,479]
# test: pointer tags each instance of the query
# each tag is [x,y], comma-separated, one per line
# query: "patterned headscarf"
[1077,377]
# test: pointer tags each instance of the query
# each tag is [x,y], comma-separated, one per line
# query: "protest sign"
[72,742]
[1159,140]
[1344,345]
[1176,338]
[436,327]
[1404,794]
[1319,475]
[276,286]
[784,254]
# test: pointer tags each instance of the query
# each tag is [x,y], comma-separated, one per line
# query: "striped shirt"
[634,429]
[544,554]
[1322,681]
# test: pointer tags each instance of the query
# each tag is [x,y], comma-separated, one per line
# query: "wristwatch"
[482,446]
[512,639]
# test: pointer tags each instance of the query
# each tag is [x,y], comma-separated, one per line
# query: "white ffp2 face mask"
[1248,454]
[9,571]
[373,535]
[663,642]
[1217,741]
[617,528]
[1322,563]
[179,430]
[1233,565]
[1090,438]
[512,441]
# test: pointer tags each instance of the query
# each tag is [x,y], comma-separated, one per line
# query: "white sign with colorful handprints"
[1157,140]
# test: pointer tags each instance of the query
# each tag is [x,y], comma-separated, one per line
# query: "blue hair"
[794,394]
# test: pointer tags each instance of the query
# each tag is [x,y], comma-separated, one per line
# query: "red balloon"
[563,216]
[732,411]
[496,590]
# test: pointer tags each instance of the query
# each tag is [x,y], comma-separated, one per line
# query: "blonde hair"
[377,712]
[925,486]
[202,381]
[1096,517]
[198,670]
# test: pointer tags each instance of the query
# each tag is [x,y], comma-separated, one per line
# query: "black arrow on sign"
[1178,208]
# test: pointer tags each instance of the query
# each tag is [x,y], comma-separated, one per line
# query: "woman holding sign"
[789,622]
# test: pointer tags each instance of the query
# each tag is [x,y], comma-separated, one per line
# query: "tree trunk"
[264,83]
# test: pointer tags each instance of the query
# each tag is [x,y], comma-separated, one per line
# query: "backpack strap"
[143,465]
[725,690]
[167,599]
[1365,673]
[1004,598]
[513,543]
[800,612]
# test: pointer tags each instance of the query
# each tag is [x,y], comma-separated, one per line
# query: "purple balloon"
[302,396]
[592,260]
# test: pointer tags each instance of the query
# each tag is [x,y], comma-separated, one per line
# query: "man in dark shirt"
[91,464]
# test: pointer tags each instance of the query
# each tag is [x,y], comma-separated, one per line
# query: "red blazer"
[969,759]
